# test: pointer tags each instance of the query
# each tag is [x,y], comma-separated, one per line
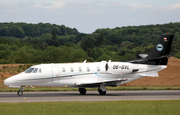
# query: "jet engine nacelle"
[121,68]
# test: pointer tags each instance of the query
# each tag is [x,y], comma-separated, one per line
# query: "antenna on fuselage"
[84,61]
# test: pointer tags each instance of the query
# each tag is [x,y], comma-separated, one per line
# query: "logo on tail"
[159,47]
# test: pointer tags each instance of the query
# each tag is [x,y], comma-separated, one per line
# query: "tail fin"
[160,53]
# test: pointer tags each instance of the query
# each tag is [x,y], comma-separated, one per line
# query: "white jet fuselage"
[83,74]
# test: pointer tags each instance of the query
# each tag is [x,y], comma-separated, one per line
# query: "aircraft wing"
[97,84]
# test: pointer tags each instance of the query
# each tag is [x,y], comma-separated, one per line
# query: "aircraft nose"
[9,81]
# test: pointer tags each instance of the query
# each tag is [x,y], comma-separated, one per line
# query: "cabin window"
[40,70]
[71,69]
[35,71]
[63,70]
[88,69]
[98,69]
[80,69]
[29,70]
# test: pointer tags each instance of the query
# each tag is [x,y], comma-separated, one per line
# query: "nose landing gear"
[20,92]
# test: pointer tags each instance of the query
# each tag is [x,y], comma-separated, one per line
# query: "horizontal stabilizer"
[143,55]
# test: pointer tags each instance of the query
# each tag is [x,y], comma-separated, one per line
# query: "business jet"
[97,74]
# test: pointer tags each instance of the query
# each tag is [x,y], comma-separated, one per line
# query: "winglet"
[84,61]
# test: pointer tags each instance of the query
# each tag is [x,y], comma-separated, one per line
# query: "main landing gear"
[20,92]
[82,91]
[101,90]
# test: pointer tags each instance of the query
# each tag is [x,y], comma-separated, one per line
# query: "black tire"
[20,93]
[82,91]
[101,92]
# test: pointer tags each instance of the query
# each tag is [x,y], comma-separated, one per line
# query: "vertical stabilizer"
[159,54]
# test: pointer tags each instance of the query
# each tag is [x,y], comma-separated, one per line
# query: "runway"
[90,96]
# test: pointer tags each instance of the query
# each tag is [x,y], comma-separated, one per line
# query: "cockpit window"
[29,70]
[35,70]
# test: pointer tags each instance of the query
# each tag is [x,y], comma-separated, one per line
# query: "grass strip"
[167,107]
[88,89]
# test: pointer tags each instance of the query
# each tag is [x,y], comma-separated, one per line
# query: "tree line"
[20,30]
[118,44]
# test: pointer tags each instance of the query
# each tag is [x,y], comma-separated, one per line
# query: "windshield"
[35,70]
[29,70]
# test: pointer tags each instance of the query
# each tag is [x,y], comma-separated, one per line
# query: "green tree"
[177,55]
[54,36]
[104,57]
[22,57]
[97,52]
[100,40]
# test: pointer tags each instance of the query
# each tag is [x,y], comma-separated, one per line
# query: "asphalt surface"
[90,96]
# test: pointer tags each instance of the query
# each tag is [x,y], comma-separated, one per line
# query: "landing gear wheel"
[20,92]
[101,92]
[82,91]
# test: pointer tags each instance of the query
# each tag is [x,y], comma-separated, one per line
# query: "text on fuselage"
[120,67]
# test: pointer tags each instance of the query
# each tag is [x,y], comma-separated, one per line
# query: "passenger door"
[55,74]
